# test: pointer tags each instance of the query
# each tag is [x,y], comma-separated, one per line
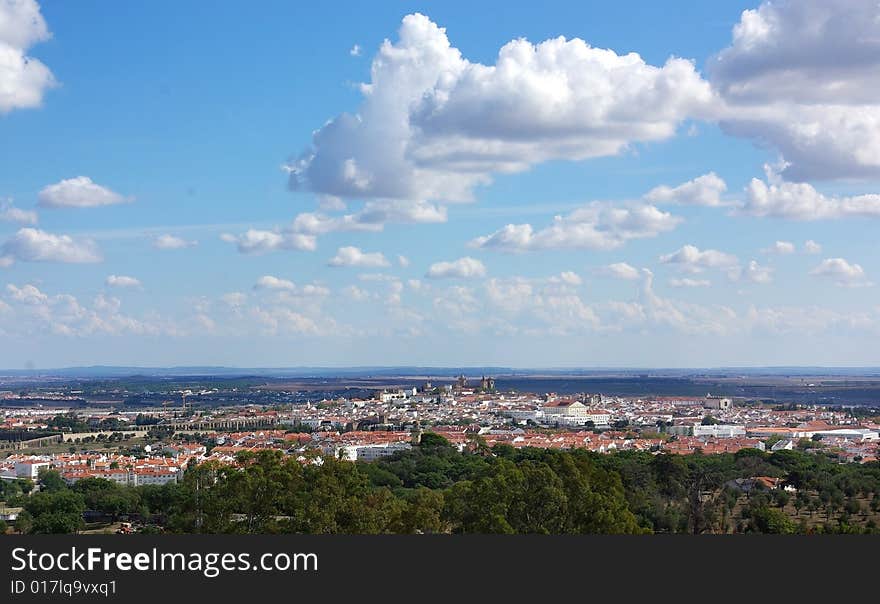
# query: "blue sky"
[439,183]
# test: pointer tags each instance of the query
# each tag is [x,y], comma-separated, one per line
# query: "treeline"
[699,493]
[433,488]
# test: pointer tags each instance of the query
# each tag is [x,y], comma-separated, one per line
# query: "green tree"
[51,481]
[57,512]
[768,520]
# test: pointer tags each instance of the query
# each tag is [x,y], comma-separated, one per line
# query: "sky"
[563,184]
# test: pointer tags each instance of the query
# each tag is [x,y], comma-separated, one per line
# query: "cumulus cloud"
[620,270]
[802,77]
[372,217]
[271,282]
[315,223]
[122,281]
[598,225]
[690,258]
[23,79]
[79,192]
[680,315]
[172,242]
[65,315]
[801,201]
[380,212]
[358,294]
[302,233]
[780,247]
[811,247]
[34,245]
[281,320]
[753,273]
[402,261]
[355,50]
[841,272]
[26,294]
[433,125]
[516,305]
[569,278]
[705,190]
[354,256]
[255,241]
[10,213]
[463,268]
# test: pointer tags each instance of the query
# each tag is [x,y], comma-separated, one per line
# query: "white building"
[30,469]
[149,476]
[565,412]
[856,434]
[389,396]
[574,413]
[720,430]
[371,452]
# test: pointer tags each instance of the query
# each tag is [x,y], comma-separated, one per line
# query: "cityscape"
[437,268]
[138,434]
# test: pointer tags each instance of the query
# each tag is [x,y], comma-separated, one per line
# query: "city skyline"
[591,186]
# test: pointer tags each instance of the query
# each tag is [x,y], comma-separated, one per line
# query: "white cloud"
[281,320]
[690,258]
[688,282]
[331,203]
[540,306]
[26,294]
[569,278]
[23,79]
[9,213]
[802,77]
[620,270]
[65,315]
[234,300]
[356,293]
[753,273]
[122,281]
[841,272]
[683,316]
[271,282]
[302,233]
[79,192]
[355,50]
[705,190]
[811,247]
[34,245]
[598,225]
[511,295]
[314,223]
[353,256]
[801,201]
[403,261]
[313,290]
[463,268]
[433,125]
[255,241]
[395,290]
[172,242]
[380,212]
[809,320]
[780,247]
